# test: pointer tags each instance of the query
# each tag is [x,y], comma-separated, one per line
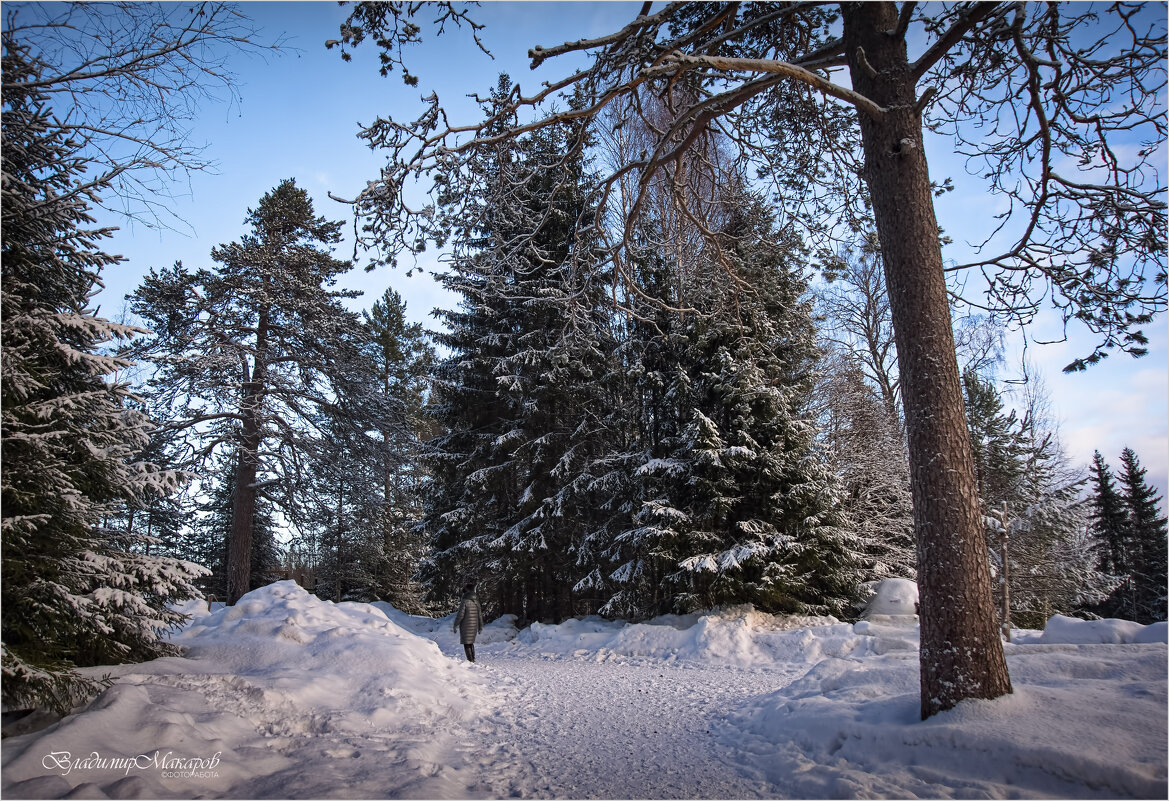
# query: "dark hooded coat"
[469,619]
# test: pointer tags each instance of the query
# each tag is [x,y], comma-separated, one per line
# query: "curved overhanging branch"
[775,67]
[1041,85]
[539,54]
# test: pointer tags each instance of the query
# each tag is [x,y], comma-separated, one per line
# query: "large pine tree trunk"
[961,653]
[243,512]
[243,506]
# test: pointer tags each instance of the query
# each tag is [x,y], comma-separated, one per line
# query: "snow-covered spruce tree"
[250,354]
[75,593]
[468,491]
[1052,569]
[997,440]
[1108,520]
[736,504]
[512,497]
[472,494]
[1142,595]
[623,576]
[404,359]
[550,379]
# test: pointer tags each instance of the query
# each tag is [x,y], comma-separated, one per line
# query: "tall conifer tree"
[513,502]
[1145,593]
[75,592]
[732,503]
[269,324]
[1108,519]
[404,359]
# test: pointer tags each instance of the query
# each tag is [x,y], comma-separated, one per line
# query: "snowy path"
[285,696]
[588,729]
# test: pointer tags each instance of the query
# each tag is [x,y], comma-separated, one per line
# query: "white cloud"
[1114,406]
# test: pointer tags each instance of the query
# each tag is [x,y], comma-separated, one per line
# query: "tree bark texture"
[243,511]
[961,653]
[243,504]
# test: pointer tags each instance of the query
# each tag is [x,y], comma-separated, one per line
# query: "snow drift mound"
[1061,629]
[348,661]
[738,636]
[261,686]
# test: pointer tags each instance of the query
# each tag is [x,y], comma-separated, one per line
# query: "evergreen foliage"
[732,502]
[1025,483]
[1130,536]
[76,592]
[1109,521]
[997,442]
[845,146]
[510,502]
[206,537]
[1052,569]
[630,462]
[345,512]
[161,519]
[1148,537]
[404,359]
[252,357]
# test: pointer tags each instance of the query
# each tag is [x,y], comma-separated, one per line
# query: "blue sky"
[299,113]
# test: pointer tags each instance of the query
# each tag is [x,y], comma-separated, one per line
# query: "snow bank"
[738,636]
[347,663]
[1062,629]
[260,685]
[1080,724]
[1087,718]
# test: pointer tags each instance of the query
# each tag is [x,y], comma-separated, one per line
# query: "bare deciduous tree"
[855,308]
[127,81]
[1060,108]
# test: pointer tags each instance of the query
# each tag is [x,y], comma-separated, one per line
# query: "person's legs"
[469,649]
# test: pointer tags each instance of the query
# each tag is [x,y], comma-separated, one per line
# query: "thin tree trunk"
[961,653]
[1004,556]
[388,483]
[342,557]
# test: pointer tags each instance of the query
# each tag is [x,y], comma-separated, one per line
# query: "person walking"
[468,621]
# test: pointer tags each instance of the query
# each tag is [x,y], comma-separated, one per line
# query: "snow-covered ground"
[286,696]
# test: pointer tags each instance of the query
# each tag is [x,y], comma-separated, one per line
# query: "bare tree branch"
[128,80]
